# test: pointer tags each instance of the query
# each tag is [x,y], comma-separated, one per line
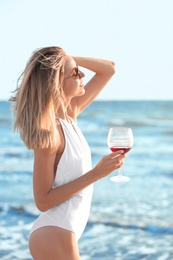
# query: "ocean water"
[128,221]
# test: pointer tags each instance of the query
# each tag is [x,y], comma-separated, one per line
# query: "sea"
[128,221]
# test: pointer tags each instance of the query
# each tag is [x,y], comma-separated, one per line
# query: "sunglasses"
[77,74]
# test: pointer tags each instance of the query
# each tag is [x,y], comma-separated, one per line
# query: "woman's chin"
[82,91]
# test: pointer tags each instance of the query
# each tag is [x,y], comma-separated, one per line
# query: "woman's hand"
[103,72]
[108,164]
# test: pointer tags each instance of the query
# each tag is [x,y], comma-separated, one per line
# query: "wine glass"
[120,138]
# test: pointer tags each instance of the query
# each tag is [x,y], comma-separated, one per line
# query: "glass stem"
[119,173]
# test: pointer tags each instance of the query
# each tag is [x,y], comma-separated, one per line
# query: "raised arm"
[103,69]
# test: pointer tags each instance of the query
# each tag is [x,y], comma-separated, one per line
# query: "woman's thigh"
[53,243]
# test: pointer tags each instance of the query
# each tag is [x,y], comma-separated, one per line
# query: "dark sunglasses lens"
[78,72]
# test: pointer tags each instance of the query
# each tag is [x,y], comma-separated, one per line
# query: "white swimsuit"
[75,161]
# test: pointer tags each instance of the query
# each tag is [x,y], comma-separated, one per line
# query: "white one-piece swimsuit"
[75,161]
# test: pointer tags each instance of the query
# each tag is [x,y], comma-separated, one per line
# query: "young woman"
[50,97]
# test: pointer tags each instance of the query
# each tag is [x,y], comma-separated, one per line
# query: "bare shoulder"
[51,151]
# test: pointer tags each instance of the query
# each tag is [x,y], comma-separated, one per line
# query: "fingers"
[114,160]
[109,163]
[117,159]
[120,152]
[118,162]
[117,155]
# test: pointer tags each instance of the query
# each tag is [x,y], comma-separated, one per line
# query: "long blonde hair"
[38,97]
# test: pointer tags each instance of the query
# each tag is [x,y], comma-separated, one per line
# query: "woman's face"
[73,83]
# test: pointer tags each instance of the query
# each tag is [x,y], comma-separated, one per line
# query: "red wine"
[125,149]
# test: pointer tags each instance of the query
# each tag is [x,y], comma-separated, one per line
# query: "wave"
[152,229]
[23,212]
[140,122]
[17,155]
[5,122]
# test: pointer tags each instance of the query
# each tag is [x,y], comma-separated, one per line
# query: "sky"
[136,34]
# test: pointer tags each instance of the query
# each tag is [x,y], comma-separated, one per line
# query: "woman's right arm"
[47,197]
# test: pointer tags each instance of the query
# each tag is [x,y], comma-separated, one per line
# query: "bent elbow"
[41,206]
[112,67]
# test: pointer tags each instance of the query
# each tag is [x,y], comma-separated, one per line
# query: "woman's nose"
[82,74]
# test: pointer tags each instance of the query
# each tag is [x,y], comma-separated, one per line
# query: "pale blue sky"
[136,34]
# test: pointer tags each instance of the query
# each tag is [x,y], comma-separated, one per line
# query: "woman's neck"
[63,114]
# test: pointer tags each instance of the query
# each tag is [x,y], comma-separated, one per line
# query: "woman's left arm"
[103,69]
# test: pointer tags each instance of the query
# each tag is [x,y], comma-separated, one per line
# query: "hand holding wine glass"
[120,138]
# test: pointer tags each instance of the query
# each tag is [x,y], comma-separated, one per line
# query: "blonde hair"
[38,97]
